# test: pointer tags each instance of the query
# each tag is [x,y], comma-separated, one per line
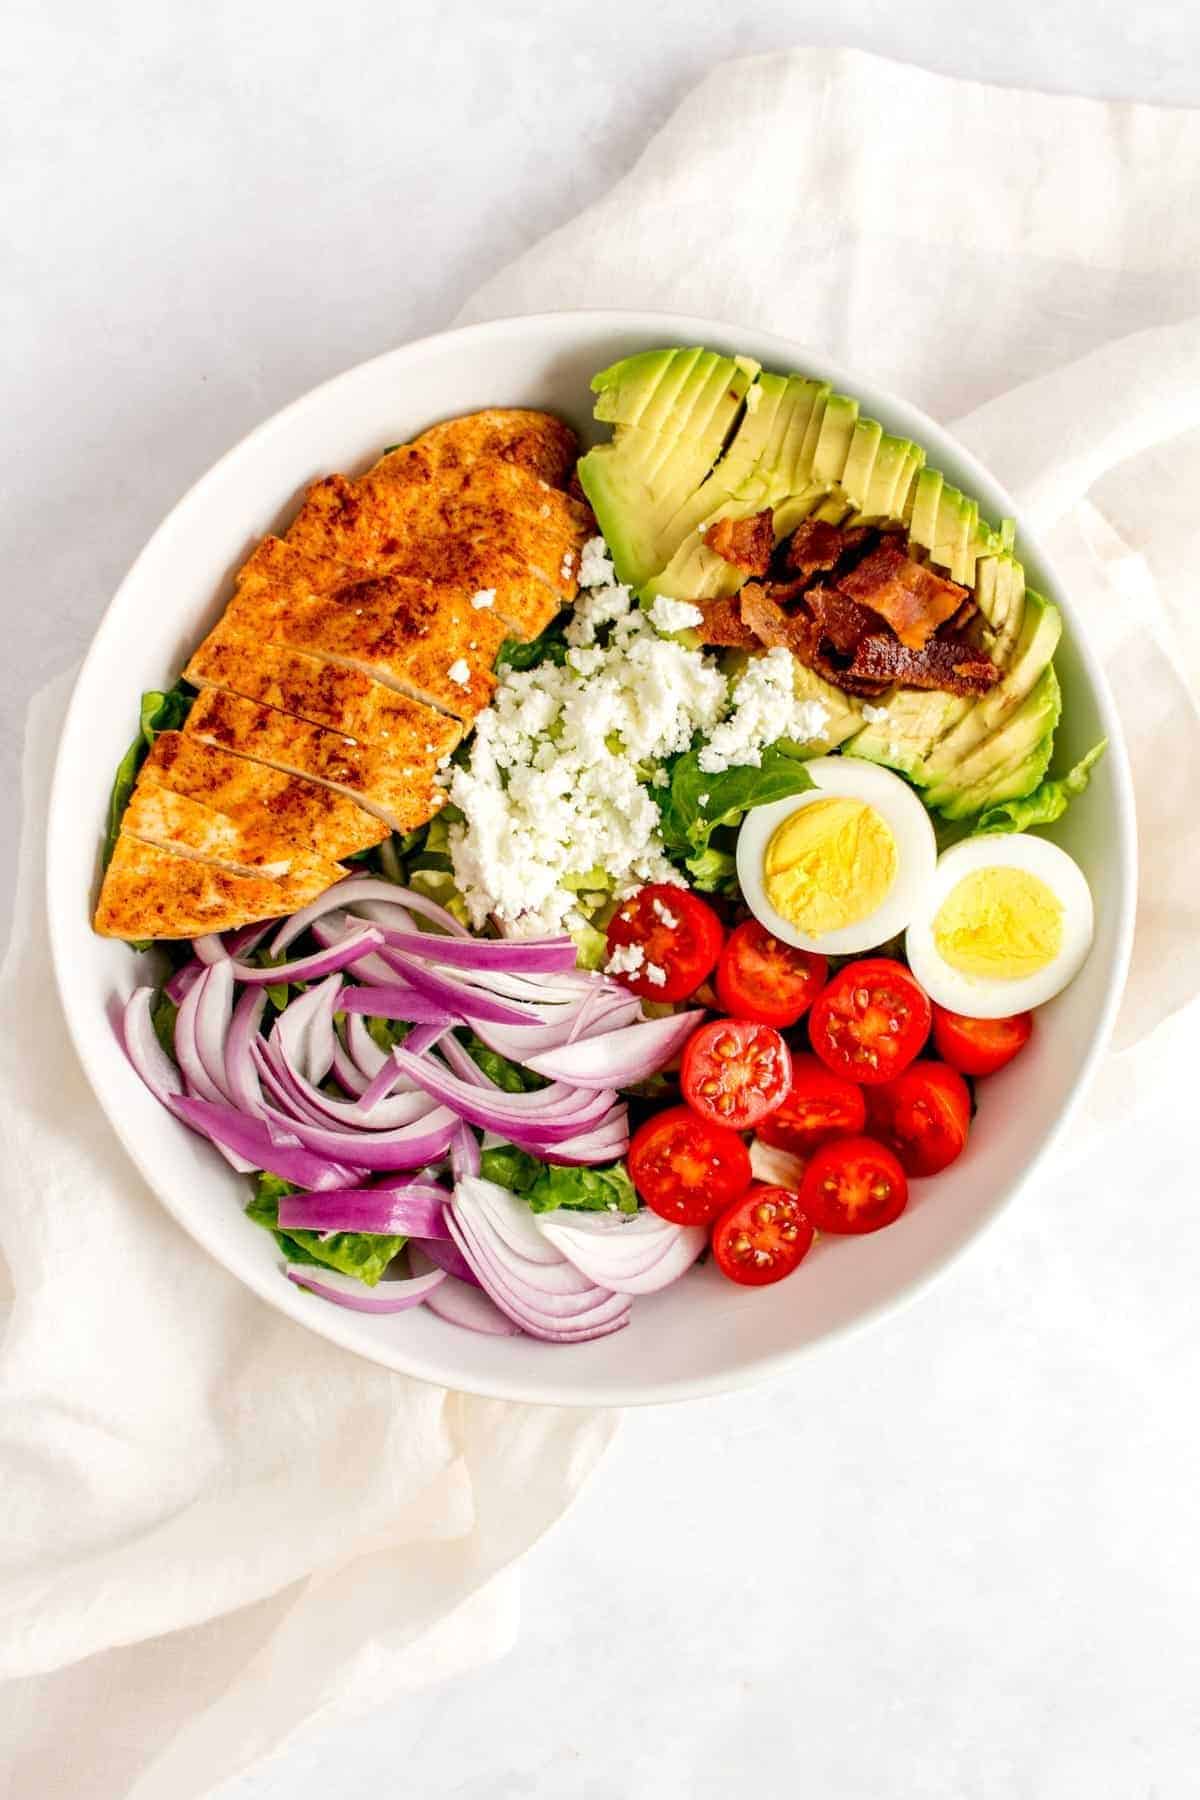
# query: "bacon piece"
[840,620]
[773,627]
[949,664]
[724,626]
[746,543]
[814,546]
[911,597]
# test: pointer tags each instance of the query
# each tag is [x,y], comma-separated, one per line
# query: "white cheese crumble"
[626,959]
[656,975]
[562,770]
[669,615]
[874,715]
[664,913]
[485,597]
[460,671]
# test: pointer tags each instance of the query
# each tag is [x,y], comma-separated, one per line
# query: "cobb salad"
[548,914]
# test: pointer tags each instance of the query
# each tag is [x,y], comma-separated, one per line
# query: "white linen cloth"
[317,1535]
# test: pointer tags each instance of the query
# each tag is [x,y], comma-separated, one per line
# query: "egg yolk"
[829,864]
[999,923]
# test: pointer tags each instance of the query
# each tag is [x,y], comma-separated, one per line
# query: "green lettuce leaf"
[159,711]
[547,1186]
[1047,803]
[696,803]
[507,1075]
[713,871]
[356,1253]
[163,1014]
[551,647]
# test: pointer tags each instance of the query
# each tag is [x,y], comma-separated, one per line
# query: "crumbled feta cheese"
[660,779]
[485,597]
[655,975]
[595,564]
[669,615]
[460,671]
[874,715]
[701,800]
[765,709]
[665,914]
[626,959]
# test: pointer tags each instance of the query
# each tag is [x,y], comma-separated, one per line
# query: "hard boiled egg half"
[1005,924]
[841,867]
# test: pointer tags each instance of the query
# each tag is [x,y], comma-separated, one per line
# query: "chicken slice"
[325,821]
[402,795]
[324,693]
[190,828]
[535,441]
[151,892]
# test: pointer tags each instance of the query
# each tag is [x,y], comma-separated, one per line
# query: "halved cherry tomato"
[870,1021]
[735,1072]
[685,1168]
[679,936]
[760,977]
[853,1185]
[979,1046]
[819,1105]
[924,1116]
[762,1237]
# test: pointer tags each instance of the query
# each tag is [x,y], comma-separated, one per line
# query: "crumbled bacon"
[746,543]
[840,620]
[948,663]
[814,547]
[724,626]
[772,626]
[911,597]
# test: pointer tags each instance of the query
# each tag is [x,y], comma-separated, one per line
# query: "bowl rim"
[332,1324]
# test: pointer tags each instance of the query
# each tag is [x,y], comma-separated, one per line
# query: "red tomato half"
[870,1021]
[679,937]
[760,977]
[735,1072]
[853,1185]
[924,1115]
[819,1105]
[685,1168]
[979,1046]
[762,1237]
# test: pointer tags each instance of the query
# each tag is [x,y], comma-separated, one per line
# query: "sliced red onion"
[446,1255]
[241,1076]
[214,1009]
[512,1222]
[410,1210]
[519,1117]
[453,996]
[464,1153]
[333,928]
[518,1286]
[533,956]
[423,1037]
[346,1071]
[460,1304]
[187,1050]
[304,1029]
[210,949]
[618,1057]
[177,985]
[396,1002]
[264,1143]
[342,955]
[775,1166]
[344,1290]
[632,1253]
[595,1013]
[603,1145]
[316,1107]
[357,888]
[361,1045]
[426,1140]
[287,1094]
[143,1049]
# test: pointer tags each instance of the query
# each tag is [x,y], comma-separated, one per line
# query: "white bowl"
[704,1334]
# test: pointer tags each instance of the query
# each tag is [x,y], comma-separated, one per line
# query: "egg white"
[979,997]
[916,853]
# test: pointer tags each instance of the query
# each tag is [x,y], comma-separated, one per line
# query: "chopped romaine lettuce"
[159,712]
[508,1076]
[547,1186]
[358,1253]
[696,802]
[1047,803]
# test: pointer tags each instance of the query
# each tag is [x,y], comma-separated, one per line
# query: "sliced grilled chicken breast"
[151,892]
[190,828]
[535,441]
[403,796]
[325,821]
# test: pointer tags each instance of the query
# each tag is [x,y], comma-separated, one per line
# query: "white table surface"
[993,1594]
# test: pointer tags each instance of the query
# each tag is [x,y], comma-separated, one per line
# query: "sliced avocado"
[763,464]
[860,462]
[845,712]
[927,495]
[1011,761]
[1041,628]
[672,411]
[833,444]
[901,740]
[891,477]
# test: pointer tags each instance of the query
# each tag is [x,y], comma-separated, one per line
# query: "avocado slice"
[915,718]
[762,464]
[896,464]
[671,412]
[1041,628]
[845,711]
[1011,761]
